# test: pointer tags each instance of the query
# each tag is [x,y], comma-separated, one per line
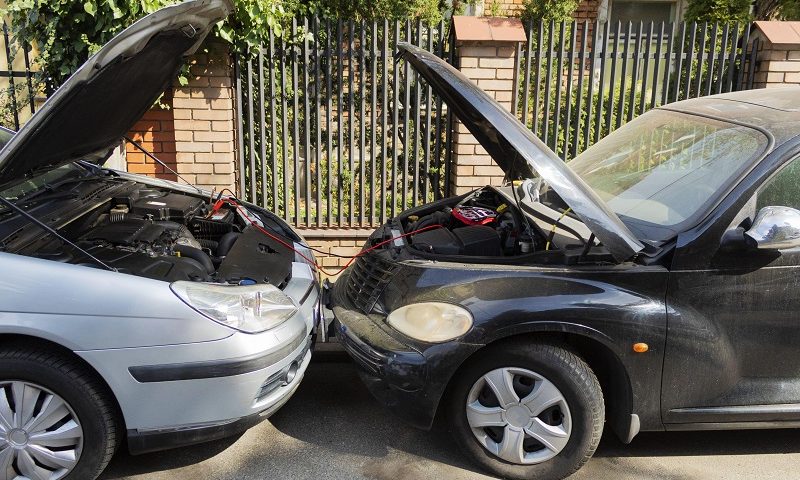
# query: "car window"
[783,189]
[27,187]
[663,170]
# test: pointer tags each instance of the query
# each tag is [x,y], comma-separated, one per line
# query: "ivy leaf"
[90,8]
[226,34]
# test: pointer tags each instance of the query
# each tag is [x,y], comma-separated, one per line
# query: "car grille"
[371,361]
[368,277]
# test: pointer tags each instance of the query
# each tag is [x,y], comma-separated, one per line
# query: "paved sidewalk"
[333,429]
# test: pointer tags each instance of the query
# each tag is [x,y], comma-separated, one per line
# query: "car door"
[733,338]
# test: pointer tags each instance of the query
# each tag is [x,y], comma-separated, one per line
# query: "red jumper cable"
[218,204]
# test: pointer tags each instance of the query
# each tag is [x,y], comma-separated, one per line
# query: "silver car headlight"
[249,308]
[431,321]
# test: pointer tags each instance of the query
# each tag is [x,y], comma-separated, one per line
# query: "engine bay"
[490,224]
[161,234]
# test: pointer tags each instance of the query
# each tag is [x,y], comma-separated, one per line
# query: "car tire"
[43,380]
[492,430]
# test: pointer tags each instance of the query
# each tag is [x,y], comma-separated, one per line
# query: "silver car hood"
[91,112]
[518,151]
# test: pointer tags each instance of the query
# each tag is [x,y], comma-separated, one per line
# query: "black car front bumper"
[396,374]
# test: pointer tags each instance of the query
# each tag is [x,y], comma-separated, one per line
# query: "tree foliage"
[718,11]
[777,10]
[67,32]
[556,10]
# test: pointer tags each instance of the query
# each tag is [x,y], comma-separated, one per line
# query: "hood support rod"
[158,161]
[52,231]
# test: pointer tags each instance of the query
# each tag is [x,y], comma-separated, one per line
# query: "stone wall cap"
[780,33]
[488,29]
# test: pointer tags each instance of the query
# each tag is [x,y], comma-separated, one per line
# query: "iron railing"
[578,81]
[19,92]
[336,133]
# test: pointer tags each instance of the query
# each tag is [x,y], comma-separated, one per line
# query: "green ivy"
[67,32]
[556,10]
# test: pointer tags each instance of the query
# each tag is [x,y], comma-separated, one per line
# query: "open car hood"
[518,151]
[89,114]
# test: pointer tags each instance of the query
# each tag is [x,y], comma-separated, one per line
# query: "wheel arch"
[601,358]
[21,340]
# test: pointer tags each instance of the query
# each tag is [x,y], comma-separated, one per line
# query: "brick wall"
[778,61]
[345,242]
[587,10]
[508,8]
[195,135]
[156,133]
[486,50]
[492,68]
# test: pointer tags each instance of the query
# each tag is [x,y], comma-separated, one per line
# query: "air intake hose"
[195,254]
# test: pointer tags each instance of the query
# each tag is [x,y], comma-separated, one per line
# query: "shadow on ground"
[332,428]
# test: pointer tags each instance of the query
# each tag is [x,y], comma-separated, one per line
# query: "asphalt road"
[333,429]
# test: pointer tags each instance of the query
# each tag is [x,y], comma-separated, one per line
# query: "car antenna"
[158,161]
[47,228]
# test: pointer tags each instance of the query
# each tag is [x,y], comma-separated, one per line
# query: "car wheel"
[527,411]
[55,420]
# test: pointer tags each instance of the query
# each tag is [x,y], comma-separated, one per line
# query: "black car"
[649,284]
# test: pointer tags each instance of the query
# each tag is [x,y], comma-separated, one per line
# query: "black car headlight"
[431,321]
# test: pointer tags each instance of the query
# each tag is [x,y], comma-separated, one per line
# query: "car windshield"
[37,183]
[660,172]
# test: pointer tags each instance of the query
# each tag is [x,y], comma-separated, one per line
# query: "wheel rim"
[518,416]
[40,435]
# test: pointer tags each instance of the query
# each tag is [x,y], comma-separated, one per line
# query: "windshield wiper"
[49,187]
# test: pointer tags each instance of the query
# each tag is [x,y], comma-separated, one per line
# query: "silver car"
[134,308]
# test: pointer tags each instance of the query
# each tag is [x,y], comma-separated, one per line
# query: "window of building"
[644,11]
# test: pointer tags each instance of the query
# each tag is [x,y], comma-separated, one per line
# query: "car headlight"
[431,321]
[249,308]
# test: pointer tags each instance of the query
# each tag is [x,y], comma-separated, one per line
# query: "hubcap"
[40,436]
[518,416]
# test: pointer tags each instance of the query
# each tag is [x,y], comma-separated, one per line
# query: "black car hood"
[91,112]
[518,151]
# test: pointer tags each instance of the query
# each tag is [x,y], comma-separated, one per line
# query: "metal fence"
[333,131]
[578,81]
[19,92]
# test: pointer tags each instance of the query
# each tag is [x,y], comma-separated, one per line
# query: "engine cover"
[257,257]
[172,206]
[476,240]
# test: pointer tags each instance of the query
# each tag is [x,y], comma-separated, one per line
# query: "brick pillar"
[486,48]
[195,134]
[778,61]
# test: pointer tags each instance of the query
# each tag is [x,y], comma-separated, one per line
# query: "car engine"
[483,224]
[174,236]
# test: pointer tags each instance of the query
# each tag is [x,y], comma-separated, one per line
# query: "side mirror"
[775,228]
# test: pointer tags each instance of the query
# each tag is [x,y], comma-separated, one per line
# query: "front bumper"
[274,393]
[396,374]
[181,394]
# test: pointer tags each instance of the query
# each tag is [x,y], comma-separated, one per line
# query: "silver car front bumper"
[181,394]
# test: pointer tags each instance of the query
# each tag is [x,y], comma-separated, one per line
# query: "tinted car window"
[665,168]
[783,189]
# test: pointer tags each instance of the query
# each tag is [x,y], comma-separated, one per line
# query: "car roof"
[775,110]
